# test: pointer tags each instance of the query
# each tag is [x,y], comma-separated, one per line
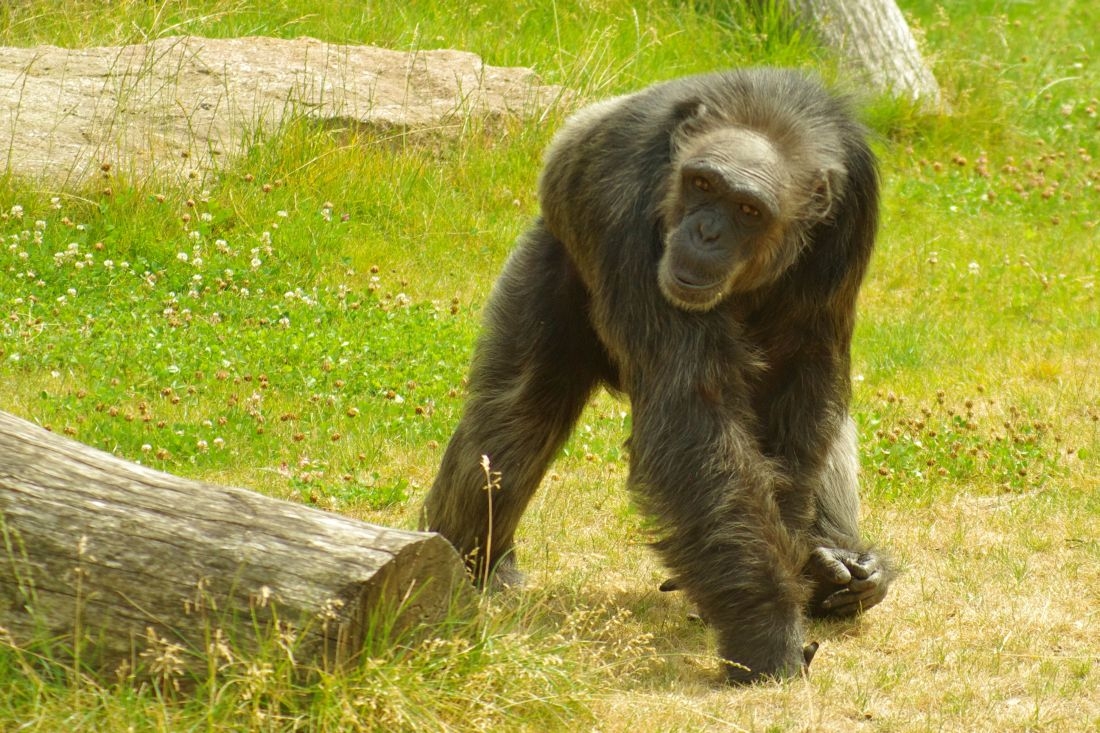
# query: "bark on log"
[98,551]
[876,41]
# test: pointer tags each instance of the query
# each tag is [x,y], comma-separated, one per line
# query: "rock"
[186,105]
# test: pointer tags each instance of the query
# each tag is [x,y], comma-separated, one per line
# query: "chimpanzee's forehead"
[735,145]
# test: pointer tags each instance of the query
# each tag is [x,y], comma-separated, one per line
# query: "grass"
[303,327]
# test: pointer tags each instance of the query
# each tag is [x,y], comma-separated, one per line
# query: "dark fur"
[742,449]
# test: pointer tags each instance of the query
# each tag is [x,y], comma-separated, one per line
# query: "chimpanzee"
[700,249]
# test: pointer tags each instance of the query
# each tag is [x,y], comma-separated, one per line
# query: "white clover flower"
[182,256]
[256,262]
[16,212]
[974,268]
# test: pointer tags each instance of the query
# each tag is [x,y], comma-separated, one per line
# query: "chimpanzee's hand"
[846,582]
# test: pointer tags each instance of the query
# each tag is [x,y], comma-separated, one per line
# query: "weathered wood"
[876,42]
[181,106]
[99,550]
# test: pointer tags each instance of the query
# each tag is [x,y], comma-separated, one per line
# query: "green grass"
[303,327]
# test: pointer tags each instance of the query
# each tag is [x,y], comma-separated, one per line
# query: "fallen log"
[876,43]
[110,560]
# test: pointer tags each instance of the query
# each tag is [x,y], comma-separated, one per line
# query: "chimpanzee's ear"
[687,119]
[827,188]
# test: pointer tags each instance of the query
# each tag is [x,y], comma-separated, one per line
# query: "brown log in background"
[106,549]
[876,42]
